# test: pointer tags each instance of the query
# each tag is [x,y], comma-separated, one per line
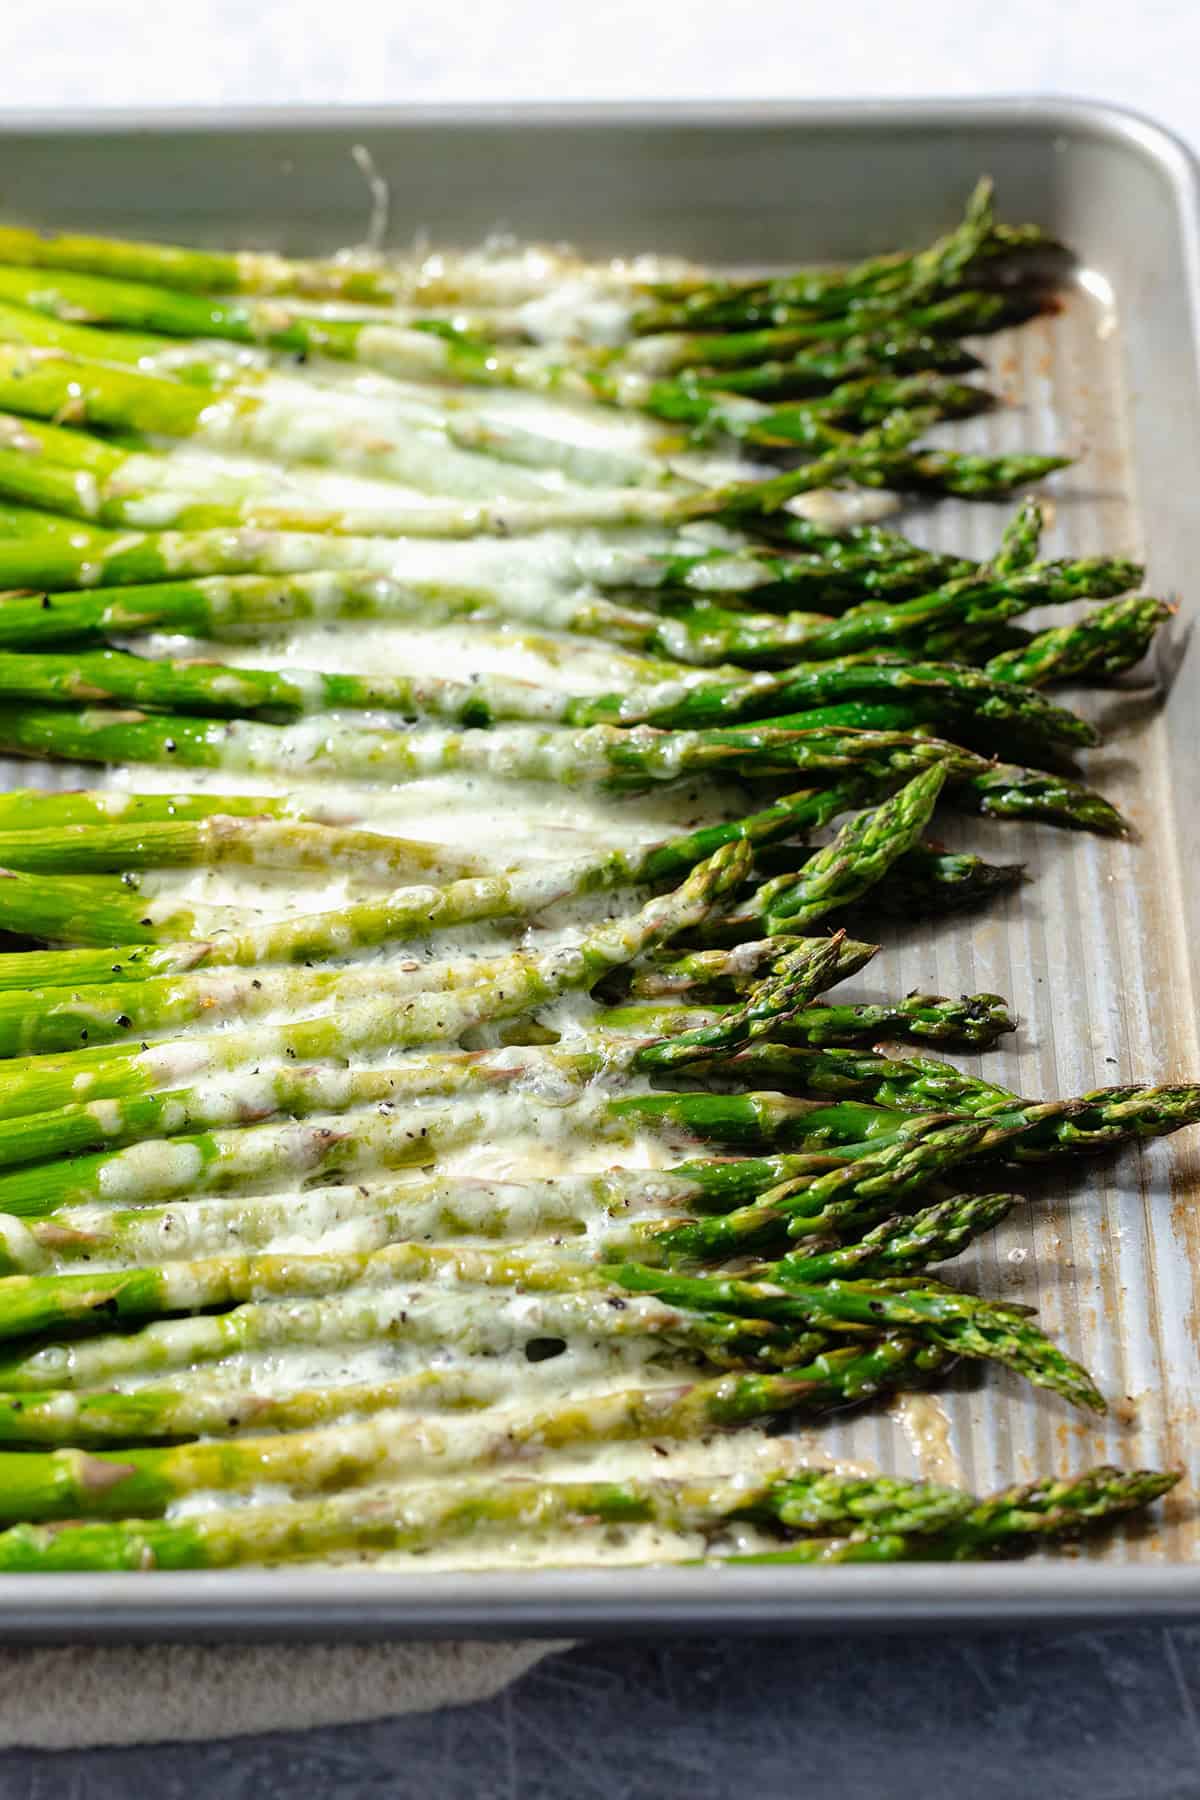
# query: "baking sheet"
[1096,954]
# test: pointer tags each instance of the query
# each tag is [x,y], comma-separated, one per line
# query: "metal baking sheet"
[1099,953]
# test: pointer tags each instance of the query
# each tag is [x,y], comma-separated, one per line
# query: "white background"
[263,52]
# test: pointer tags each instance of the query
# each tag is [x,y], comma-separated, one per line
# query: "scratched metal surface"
[1095,952]
[1076,1716]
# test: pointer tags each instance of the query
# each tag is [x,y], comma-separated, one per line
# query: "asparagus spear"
[39,1303]
[964,700]
[55,373]
[928,882]
[863,1187]
[974,1021]
[377,1213]
[603,754]
[371,1213]
[212,1161]
[145,1481]
[489,1324]
[447,279]
[728,355]
[825,1197]
[731,971]
[384,580]
[54,1484]
[507,981]
[40,464]
[977,238]
[1106,642]
[329,1134]
[158,279]
[921,884]
[137,1092]
[486,277]
[681,1411]
[42,548]
[70,909]
[859,856]
[895,1523]
[382,1519]
[43,809]
[452,1205]
[1098,1120]
[1008,1523]
[60,1018]
[218,839]
[783,363]
[960,698]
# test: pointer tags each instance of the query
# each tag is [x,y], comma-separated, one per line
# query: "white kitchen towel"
[70,1698]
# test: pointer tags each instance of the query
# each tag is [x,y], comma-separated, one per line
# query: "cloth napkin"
[70,1698]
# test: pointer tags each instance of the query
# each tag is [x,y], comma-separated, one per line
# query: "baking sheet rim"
[350,1602]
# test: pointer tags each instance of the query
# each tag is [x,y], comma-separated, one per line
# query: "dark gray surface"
[1095,1716]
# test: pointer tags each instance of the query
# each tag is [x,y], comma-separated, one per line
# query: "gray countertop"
[1106,1715]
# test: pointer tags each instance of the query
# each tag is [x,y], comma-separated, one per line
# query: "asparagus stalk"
[682,1411]
[125,1104]
[149,285]
[975,1021]
[218,839]
[976,239]
[602,754]
[1015,1520]
[1105,643]
[43,809]
[132,391]
[928,882]
[1031,1132]
[71,909]
[960,1324]
[860,856]
[742,352]
[60,1018]
[145,1481]
[488,1324]
[485,277]
[358,1125]
[40,464]
[369,1215]
[372,1213]
[144,841]
[453,1205]
[403,914]
[211,1161]
[445,281]
[845,1199]
[888,1523]
[40,548]
[965,700]
[507,981]
[39,1303]
[698,633]
[916,1523]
